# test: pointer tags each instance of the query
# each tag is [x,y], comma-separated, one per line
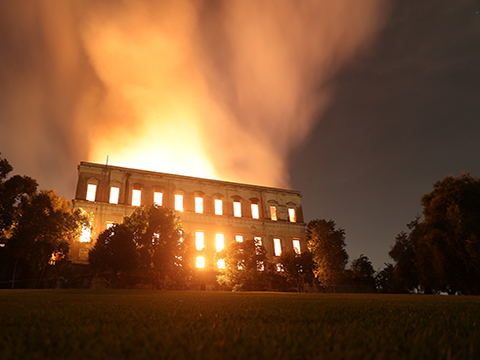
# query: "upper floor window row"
[199,206]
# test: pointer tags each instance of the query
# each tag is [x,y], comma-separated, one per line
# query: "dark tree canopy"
[246,266]
[149,243]
[13,191]
[442,252]
[297,268]
[327,243]
[362,268]
[44,227]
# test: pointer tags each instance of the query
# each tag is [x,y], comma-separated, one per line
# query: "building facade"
[214,212]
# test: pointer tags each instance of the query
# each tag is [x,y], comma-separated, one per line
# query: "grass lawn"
[128,324]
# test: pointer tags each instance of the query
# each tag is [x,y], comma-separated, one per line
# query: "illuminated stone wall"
[102,177]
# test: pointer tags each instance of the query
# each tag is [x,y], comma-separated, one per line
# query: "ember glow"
[223,89]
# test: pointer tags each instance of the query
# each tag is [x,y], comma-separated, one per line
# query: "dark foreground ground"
[121,324]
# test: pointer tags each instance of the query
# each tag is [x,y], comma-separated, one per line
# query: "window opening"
[296,246]
[136,197]
[91,192]
[291,215]
[114,194]
[255,212]
[277,247]
[199,205]
[200,262]
[239,238]
[86,234]
[219,242]
[221,263]
[237,209]
[178,202]
[158,198]
[218,206]
[273,213]
[199,240]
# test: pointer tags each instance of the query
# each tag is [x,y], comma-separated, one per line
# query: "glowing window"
[221,263]
[114,195]
[200,262]
[86,234]
[255,212]
[218,206]
[179,202]
[158,198]
[239,238]
[199,240]
[136,197]
[237,209]
[291,215]
[199,205]
[277,247]
[258,244]
[273,213]
[219,242]
[296,246]
[260,266]
[91,192]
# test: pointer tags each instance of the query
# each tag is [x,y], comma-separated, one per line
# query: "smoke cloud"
[219,89]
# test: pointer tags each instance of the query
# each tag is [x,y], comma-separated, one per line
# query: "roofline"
[212,181]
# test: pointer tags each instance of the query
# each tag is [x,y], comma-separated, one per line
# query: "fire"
[223,92]
[223,89]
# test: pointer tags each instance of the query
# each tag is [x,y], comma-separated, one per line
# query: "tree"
[12,192]
[44,226]
[362,268]
[444,248]
[246,266]
[150,243]
[328,247]
[297,268]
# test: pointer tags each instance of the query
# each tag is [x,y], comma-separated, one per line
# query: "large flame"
[219,89]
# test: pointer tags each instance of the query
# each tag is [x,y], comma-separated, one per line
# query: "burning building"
[214,212]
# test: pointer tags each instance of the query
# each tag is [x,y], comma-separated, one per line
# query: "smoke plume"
[219,89]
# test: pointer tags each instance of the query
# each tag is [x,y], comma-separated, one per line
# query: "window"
[255,212]
[241,265]
[86,234]
[237,209]
[291,215]
[198,205]
[114,194]
[258,244]
[277,247]
[239,238]
[200,262]
[219,242]
[199,240]
[296,246]
[91,192]
[273,213]
[158,198]
[218,206]
[221,263]
[136,197]
[178,202]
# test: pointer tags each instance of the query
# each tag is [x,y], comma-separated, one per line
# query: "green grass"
[122,324]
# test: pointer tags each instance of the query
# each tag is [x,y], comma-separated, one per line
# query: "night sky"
[403,113]
[404,116]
